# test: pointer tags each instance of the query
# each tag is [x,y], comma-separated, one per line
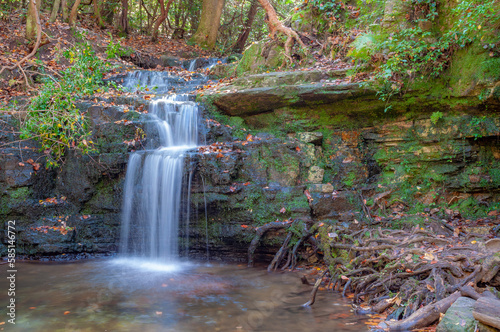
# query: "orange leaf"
[219,155]
[283,210]
[244,226]
[67,312]
[249,138]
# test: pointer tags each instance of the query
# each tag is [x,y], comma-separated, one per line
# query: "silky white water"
[154,181]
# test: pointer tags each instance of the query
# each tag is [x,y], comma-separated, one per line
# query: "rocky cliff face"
[72,210]
[328,154]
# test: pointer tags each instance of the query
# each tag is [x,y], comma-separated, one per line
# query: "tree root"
[416,274]
[260,231]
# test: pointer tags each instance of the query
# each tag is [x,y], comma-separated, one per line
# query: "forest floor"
[58,37]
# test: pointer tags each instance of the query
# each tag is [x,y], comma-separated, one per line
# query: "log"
[424,316]
[487,311]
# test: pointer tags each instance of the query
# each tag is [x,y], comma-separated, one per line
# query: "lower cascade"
[152,206]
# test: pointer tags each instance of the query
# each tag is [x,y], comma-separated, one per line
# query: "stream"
[113,295]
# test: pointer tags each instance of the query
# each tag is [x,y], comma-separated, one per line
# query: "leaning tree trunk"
[275,25]
[72,15]
[242,39]
[31,27]
[55,9]
[124,17]
[206,35]
[97,13]
[161,19]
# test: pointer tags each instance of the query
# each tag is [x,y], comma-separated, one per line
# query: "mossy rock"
[260,57]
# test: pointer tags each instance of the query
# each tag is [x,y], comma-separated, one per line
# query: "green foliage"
[53,118]
[115,49]
[436,116]
[416,50]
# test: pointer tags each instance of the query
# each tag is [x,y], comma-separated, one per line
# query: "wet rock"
[167,61]
[331,205]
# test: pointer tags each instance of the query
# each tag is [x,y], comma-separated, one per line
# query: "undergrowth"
[52,117]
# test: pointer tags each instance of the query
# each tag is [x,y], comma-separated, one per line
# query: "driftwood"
[424,316]
[487,311]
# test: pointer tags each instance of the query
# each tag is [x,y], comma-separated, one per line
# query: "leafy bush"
[52,117]
[419,51]
[115,49]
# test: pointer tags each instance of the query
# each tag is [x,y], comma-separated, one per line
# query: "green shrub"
[52,117]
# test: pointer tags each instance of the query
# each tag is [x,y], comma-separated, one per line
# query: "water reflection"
[125,296]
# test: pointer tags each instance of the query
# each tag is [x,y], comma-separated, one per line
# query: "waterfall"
[154,181]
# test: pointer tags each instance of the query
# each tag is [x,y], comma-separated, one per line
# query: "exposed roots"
[413,275]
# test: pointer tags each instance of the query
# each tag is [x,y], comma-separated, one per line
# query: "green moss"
[20,193]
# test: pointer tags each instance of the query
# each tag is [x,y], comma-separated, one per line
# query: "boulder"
[458,318]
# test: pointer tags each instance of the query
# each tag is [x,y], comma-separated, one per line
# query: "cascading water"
[154,181]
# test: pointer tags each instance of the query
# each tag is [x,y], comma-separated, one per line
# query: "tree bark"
[72,15]
[161,19]
[31,26]
[275,25]
[124,17]
[64,5]
[206,35]
[239,46]
[55,10]
[97,13]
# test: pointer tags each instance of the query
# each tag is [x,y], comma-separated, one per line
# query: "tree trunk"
[97,13]
[206,35]
[161,19]
[55,9]
[64,5]
[72,15]
[242,39]
[124,17]
[275,25]
[31,26]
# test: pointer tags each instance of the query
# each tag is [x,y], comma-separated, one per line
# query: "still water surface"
[114,295]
